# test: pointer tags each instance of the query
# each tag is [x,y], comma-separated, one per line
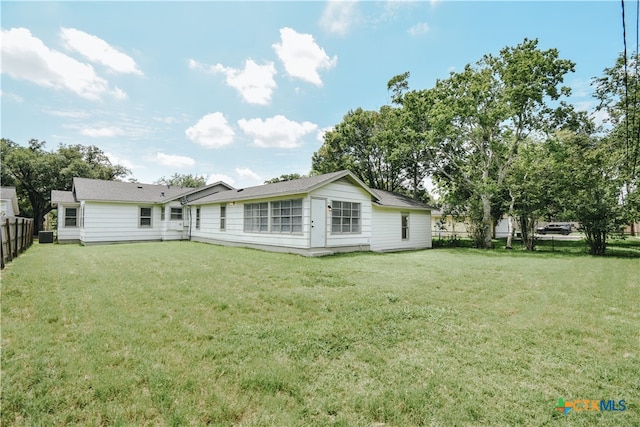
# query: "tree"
[285,177]
[481,116]
[184,180]
[360,144]
[619,94]
[589,184]
[35,172]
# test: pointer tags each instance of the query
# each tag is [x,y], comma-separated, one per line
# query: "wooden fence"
[16,235]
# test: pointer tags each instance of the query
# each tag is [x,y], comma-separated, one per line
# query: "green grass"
[181,333]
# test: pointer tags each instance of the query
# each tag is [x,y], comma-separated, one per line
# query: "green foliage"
[285,177]
[184,180]
[244,339]
[34,172]
[589,181]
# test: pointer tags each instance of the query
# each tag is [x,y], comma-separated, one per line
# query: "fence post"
[9,248]
[16,245]
[1,247]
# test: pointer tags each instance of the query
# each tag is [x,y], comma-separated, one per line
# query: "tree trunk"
[486,220]
[511,221]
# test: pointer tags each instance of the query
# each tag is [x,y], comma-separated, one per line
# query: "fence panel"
[16,235]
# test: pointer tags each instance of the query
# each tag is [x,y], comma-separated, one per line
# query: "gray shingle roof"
[116,191]
[296,186]
[387,198]
[58,196]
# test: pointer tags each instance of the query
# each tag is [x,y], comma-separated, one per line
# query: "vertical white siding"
[386,230]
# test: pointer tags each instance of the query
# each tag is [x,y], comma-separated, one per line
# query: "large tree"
[34,172]
[364,144]
[483,114]
[619,94]
[184,180]
[588,183]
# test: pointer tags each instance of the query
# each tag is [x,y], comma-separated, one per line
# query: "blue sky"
[243,91]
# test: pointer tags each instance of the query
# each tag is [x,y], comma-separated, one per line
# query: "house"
[8,202]
[318,215]
[97,211]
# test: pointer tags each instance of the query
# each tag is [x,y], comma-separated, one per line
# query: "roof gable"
[9,193]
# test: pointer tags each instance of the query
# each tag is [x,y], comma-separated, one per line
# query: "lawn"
[182,333]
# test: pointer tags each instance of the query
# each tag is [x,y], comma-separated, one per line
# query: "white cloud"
[116,160]
[302,57]
[220,177]
[98,51]
[248,173]
[338,16]
[26,57]
[103,132]
[174,161]
[211,131]
[69,114]
[11,96]
[276,132]
[255,83]
[321,132]
[418,29]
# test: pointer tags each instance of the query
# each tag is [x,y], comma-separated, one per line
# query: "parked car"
[563,229]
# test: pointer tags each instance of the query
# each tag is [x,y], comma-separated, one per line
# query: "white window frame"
[256,217]
[223,217]
[142,217]
[177,214]
[286,216]
[68,217]
[197,218]
[346,217]
[404,225]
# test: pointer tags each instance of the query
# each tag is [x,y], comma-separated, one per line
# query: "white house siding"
[118,222]
[342,190]
[502,228]
[68,234]
[234,230]
[386,229]
[174,229]
[234,226]
[6,208]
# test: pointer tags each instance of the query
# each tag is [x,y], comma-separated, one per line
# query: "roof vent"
[242,189]
[139,186]
[162,194]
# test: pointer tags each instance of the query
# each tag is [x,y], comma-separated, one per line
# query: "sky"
[243,91]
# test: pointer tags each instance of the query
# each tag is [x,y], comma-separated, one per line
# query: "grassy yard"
[184,333]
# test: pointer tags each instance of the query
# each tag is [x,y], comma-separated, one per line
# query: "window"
[286,216]
[197,218]
[345,217]
[162,213]
[70,217]
[405,226]
[223,217]
[176,214]
[145,217]
[256,217]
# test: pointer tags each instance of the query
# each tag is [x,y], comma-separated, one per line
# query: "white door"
[318,223]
